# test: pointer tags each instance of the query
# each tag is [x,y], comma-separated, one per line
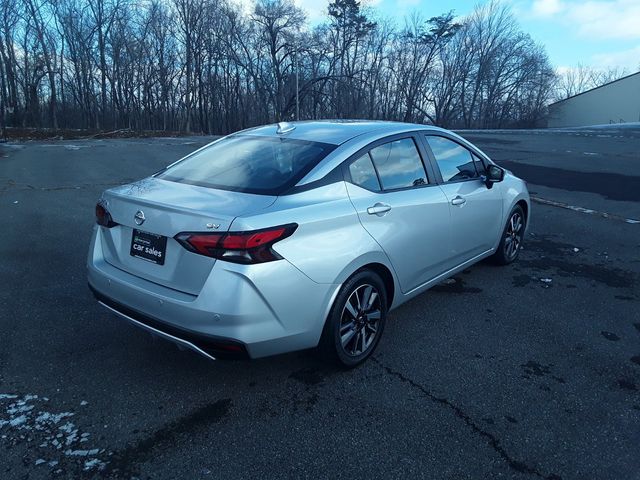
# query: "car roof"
[335,131]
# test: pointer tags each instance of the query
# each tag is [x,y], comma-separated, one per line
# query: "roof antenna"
[285,127]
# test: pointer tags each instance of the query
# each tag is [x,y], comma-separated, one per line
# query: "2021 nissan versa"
[291,236]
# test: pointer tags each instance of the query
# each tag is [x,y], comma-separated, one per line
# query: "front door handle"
[458,200]
[379,209]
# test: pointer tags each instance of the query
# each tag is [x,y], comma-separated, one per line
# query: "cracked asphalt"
[526,371]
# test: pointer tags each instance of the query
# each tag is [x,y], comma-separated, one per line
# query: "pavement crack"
[124,462]
[491,439]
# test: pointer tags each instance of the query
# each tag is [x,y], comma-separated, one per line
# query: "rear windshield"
[252,164]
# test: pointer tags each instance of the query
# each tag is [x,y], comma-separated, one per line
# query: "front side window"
[480,166]
[398,164]
[252,164]
[454,161]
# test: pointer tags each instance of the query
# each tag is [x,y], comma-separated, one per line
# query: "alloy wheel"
[513,235]
[360,320]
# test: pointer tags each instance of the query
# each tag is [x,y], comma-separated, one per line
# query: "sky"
[601,34]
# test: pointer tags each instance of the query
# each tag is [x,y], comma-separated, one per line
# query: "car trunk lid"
[154,211]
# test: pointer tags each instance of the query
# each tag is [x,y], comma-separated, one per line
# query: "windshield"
[252,164]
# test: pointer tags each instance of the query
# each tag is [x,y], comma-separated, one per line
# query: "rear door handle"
[458,200]
[379,209]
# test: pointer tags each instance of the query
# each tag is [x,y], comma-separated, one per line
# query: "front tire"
[356,320]
[512,238]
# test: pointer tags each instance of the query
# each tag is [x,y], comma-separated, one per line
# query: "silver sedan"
[300,235]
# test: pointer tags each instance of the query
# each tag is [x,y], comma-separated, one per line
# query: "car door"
[401,208]
[476,211]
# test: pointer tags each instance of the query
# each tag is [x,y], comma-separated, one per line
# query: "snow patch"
[94,463]
[19,409]
[17,421]
[82,453]
[46,417]
[53,432]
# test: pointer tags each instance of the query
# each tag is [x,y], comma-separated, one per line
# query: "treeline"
[208,66]
[581,78]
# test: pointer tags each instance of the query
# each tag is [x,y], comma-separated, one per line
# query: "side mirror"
[494,174]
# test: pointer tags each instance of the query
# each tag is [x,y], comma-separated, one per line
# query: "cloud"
[629,59]
[404,7]
[594,19]
[315,9]
[607,20]
[544,8]
[403,4]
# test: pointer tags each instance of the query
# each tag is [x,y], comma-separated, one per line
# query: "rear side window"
[399,164]
[454,161]
[252,164]
[363,174]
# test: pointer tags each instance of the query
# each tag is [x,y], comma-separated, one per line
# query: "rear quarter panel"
[330,244]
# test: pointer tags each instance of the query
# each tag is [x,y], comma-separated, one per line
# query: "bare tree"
[10,109]
[581,78]
[420,43]
[46,42]
[206,66]
[278,22]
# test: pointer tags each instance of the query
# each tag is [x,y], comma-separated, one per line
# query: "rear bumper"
[209,347]
[253,310]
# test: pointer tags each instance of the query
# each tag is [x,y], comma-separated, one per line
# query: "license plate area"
[148,246]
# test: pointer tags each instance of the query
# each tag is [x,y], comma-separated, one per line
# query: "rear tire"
[356,320]
[512,238]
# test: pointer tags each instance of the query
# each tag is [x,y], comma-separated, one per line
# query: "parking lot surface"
[525,371]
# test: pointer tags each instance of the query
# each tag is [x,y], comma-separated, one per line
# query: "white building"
[614,102]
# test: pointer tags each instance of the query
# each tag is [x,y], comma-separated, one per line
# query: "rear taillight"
[103,217]
[238,247]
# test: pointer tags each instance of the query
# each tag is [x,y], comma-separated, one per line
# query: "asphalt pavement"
[525,371]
